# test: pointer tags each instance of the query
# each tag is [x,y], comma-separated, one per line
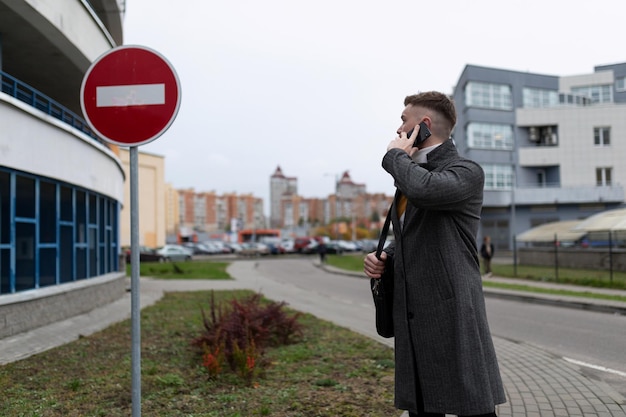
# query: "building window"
[498,176]
[620,84]
[540,97]
[490,136]
[602,136]
[57,233]
[573,100]
[603,176]
[490,96]
[597,93]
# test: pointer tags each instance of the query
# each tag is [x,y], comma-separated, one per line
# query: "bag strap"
[385,230]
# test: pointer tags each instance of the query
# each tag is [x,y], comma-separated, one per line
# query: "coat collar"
[440,155]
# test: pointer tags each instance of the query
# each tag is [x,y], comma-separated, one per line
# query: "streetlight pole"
[512,229]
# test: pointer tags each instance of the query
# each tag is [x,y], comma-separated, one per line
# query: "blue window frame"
[52,232]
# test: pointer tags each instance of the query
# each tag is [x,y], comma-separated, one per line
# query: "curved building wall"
[34,142]
[50,44]
[61,191]
[60,196]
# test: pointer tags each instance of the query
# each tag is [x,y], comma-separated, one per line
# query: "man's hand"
[405,143]
[373,266]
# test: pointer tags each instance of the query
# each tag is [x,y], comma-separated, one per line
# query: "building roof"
[610,220]
[562,231]
[572,230]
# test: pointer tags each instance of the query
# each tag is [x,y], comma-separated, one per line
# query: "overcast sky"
[317,87]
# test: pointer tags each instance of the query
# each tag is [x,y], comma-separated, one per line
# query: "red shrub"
[241,333]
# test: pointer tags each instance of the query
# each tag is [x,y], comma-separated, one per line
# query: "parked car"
[369,245]
[171,253]
[275,248]
[287,246]
[310,248]
[199,248]
[334,248]
[304,244]
[348,246]
[219,246]
[253,249]
[234,247]
[146,254]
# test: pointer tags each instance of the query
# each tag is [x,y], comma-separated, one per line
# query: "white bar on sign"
[130,95]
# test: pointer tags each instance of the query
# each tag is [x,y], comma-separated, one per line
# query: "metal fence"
[603,251]
[25,93]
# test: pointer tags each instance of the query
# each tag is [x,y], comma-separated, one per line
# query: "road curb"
[580,303]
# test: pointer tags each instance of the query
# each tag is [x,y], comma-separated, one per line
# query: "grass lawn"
[526,276]
[330,372]
[183,270]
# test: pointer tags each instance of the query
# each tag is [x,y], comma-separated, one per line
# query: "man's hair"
[437,102]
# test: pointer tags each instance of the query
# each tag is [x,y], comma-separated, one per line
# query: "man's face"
[411,116]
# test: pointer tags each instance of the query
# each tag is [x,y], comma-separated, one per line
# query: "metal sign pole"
[134,283]
[141,73]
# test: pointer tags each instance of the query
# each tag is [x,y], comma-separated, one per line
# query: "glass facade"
[597,93]
[489,96]
[498,176]
[490,136]
[540,97]
[52,232]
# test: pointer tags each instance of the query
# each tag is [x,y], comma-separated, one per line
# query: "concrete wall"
[28,310]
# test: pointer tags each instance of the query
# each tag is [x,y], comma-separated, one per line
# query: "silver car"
[171,253]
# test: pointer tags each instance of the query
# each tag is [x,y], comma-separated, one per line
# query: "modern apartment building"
[280,186]
[61,188]
[350,202]
[206,213]
[552,147]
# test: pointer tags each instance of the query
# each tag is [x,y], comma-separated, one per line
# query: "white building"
[61,188]
[552,147]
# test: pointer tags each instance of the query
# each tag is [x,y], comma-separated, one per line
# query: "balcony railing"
[25,93]
[554,195]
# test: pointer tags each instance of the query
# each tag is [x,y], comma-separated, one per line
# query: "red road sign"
[130,95]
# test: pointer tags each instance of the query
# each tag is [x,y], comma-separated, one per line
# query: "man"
[445,359]
[321,250]
[486,251]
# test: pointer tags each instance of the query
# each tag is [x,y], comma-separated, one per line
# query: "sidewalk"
[537,383]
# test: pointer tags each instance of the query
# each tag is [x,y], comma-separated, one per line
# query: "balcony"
[540,156]
[25,93]
[525,196]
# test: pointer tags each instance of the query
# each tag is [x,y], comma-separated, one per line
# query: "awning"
[546,232]
[610,220]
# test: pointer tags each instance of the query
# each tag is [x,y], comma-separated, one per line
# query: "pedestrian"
[444,354]
[486,252]
[321,250]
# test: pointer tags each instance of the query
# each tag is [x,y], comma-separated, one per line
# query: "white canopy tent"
[573,230]
[563,230]
[610,220]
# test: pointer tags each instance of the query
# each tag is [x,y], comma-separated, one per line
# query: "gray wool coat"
[442,338]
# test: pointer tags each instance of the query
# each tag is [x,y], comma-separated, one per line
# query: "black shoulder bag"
[382,288]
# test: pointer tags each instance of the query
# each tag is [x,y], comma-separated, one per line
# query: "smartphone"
[422,135]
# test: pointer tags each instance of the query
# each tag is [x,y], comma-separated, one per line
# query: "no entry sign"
[130,95]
